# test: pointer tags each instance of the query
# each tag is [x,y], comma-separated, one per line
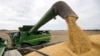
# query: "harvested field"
[60,35]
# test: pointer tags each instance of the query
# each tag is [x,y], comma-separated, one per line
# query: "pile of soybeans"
[79,43]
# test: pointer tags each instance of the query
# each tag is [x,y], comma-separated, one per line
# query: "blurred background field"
[59,35]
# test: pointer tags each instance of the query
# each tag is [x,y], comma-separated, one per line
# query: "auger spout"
[59,8]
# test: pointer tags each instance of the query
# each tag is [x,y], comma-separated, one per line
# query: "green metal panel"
[33,39]
[37,40]
[2,49]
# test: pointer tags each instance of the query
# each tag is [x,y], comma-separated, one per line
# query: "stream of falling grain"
[78,40]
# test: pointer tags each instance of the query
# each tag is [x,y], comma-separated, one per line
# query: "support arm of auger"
[59,8]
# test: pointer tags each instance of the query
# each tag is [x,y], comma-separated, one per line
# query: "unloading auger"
[59,8]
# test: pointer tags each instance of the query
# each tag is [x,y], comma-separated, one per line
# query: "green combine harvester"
[24,39]
[31,36]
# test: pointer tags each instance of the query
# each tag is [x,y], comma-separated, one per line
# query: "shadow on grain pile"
[79,44]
